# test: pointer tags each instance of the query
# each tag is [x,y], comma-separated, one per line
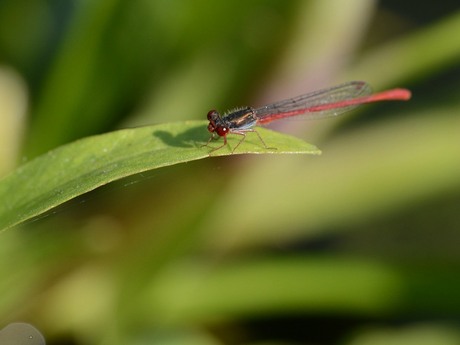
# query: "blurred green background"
[358,246]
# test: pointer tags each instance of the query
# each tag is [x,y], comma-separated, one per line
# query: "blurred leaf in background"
[357,246]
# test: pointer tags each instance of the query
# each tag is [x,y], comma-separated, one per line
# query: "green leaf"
[196,292]
[277,285]
[79,167]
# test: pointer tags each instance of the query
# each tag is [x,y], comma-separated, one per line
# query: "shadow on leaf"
[192,137]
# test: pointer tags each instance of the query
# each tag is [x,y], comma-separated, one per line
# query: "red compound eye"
[221,131]
[212,114]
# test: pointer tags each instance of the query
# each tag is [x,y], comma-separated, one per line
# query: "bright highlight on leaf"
[79,167]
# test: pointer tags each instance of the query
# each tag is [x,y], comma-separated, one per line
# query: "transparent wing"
[318,104]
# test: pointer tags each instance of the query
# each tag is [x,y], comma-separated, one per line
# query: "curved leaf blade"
[79,167]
